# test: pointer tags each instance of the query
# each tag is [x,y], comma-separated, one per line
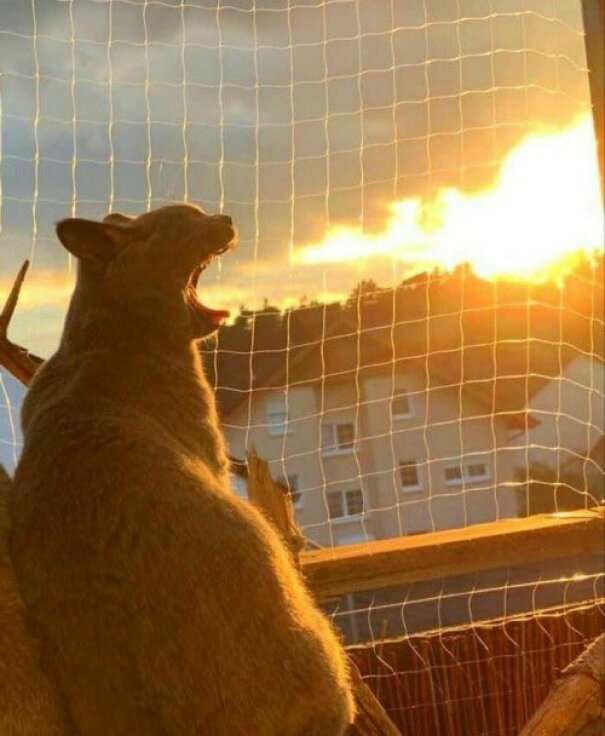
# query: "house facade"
[570,414]
[565,450]
[380,456]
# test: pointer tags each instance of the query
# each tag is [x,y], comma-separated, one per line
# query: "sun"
[543,211]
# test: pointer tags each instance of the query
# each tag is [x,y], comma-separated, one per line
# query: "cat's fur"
[168,605]
[29,704]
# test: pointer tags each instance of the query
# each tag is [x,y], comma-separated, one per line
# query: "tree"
[568,489]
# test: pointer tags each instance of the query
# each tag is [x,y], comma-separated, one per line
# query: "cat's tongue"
[214,316]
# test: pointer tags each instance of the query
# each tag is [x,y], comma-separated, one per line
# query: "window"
[354,502]
[409,476]
[338,438]
[345,436]
[401,405]
[291,483]
[277,418]
[342,504]
[477,471]
[335,505]
[455,475]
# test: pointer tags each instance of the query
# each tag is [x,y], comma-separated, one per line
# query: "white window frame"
[345,507]
[420,485]
[277,407]
[467,479]
[333,448]
[402,391]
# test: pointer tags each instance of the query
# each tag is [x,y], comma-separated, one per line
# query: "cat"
[167,605]
[30,705]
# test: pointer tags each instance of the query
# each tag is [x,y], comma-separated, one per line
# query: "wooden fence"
[480,681]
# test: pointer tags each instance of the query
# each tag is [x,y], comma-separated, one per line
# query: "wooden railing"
[334,572]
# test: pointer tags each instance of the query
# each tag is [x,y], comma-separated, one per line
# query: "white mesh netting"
[417,340]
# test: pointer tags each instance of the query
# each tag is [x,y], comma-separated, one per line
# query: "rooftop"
[501,341]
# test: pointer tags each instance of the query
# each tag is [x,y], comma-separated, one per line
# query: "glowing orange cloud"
[544,208]
[41,289]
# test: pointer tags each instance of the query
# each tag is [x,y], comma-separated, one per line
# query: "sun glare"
[543,211]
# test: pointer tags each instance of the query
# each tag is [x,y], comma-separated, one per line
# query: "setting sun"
[544,209]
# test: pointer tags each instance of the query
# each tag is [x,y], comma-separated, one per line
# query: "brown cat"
[29,704]
[168,605]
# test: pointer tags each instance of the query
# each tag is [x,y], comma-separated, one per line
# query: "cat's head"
[152,261]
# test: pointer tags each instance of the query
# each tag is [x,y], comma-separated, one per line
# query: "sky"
[293,117]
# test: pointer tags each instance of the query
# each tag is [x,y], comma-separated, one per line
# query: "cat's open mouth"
[205,320]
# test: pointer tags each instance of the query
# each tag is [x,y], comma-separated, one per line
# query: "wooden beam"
[574,707]
[332,573]
[371,718]
[594,21]
[270,498]
[17,360]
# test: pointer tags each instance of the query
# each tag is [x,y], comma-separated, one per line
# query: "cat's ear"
[95,242]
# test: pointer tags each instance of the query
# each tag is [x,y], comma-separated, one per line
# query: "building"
[570,413]
[379,453]
[407,411]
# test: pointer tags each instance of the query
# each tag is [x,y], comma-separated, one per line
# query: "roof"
[501,343]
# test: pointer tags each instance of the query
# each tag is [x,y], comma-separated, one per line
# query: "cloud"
[545,207]
[365,122]
[42,289]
